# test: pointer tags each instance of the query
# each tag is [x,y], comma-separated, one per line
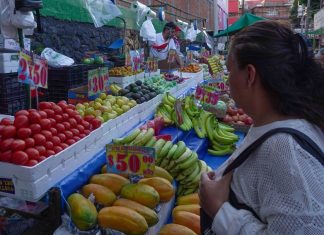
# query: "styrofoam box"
[148,75]
[121,81]
[139,76]
[9,62]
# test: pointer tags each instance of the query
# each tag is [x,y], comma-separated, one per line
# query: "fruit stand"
[69,154]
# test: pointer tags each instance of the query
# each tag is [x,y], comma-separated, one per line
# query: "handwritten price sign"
[206,95]
[32,70]
[134,160]
[97,81]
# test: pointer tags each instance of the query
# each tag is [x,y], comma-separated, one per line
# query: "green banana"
[171,98]
[217,146]
[180,150]
[222,139]
[227,134]
[138,138]
[171,165]
[180,190]
[190,169]
[194,173]
[199,128]
[151,142]
[191,160]
[166,160]
[221,152]
[146,137]
[128,138]
[203,166]
[225,127]
[165,149]
[189,191]
[184,156]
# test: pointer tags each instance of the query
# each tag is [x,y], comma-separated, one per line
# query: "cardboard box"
[80,95]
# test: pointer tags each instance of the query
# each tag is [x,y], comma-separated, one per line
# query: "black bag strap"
[303,140]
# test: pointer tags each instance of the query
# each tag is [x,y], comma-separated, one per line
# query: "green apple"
[97,105]
[105,109]
[125,108]
[101,119]
[86,104]
[109,96]
[97,113]
[91,103]
[81,112]
[80,106]
[105,116]
[112,115]
[89,111]
[98,100]
[120,102]
[103,96]
[119,111]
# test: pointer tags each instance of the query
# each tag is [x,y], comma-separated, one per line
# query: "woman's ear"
[251,75]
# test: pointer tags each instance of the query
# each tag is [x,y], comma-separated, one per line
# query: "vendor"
[164,44]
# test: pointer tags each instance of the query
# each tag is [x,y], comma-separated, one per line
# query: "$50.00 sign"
[97,81]
[32,70]
[134,160]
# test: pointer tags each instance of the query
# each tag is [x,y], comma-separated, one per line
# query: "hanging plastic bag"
[102,11]
[142,11]
[56,59]
[191,33]
[148,31]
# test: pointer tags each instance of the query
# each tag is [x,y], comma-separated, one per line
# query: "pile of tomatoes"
[35,135]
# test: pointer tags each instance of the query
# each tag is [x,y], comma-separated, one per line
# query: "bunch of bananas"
[166,108]
[114,88]
[178,159]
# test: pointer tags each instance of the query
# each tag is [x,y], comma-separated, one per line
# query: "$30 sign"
[32,70]
[97,81]
[207,95]
[136,160]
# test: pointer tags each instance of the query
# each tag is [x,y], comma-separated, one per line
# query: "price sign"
[32,70]
[178,110]
[136,160]
[189,56]
[97,81]
[171,57]
[128,59]
[207,95]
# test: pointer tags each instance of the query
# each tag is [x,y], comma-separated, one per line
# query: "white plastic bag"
[191,33]
[148,31]
[56,59]
[102,11]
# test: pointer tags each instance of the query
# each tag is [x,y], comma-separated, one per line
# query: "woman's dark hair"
[294,80]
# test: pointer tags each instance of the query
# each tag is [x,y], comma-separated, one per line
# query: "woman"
[279,187]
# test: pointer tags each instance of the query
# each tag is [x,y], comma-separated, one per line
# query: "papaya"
[122,219]
[82,211]
[150,215]
[160,172]
[190,220]
[175,229]
[162,186]
[104,170]
[111,181]
[103,195]
[193,208]
[141,193]
[188,199]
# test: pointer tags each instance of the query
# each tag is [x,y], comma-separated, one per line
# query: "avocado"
[147,97]
[129,95]
[139,82]
[135,89]
[142,99]
[138,101]
[152,94]
[136,96]
[123,92]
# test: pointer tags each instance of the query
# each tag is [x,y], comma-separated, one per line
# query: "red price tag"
[136,160]
[97,81]
[206,96]
[32,70]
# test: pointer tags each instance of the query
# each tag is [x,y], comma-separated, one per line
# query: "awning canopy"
[246,20]
[317,32]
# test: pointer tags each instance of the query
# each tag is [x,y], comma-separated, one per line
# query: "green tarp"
[317,32]
[246,20]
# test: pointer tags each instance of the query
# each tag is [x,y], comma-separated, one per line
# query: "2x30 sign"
[33,69]
[206,95]
[135,160]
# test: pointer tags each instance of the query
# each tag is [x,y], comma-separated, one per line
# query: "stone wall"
[73,39]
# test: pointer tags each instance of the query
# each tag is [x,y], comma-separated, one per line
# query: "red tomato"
[75,113]
[1,127]
[32,153]
[5,144]
[73,122]
[44,105]
[35,128]
[65,116]
[31,163]
[50,113]
[240,111]
[43,114]
[82,135]
[45,124]
[39,139]
[67,125]
[70,141]
[49,145]
[62,104]
[56,140]
[53,121]
[6,156]
[80,128]
[32,110]
[71,106]
[41,158]
[86,124]
[76,138]
[17,145]
[24,133]
[75,132]
[57,149]
[62,137]
[89,118]
[19,158]
[41,150]
[87,132]
[49,153]
[63,145]
[5,121]
[48,135]
[21,121]
[53,131]
[60,127]
[57,109]
[8,132]
[68,134]
[22,112]
[58,118]
[96,123]
[30,142]
[78,118]
[69,112]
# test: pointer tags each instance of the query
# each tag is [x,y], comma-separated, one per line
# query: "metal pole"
[242,7]
[216,21]
[307,16]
